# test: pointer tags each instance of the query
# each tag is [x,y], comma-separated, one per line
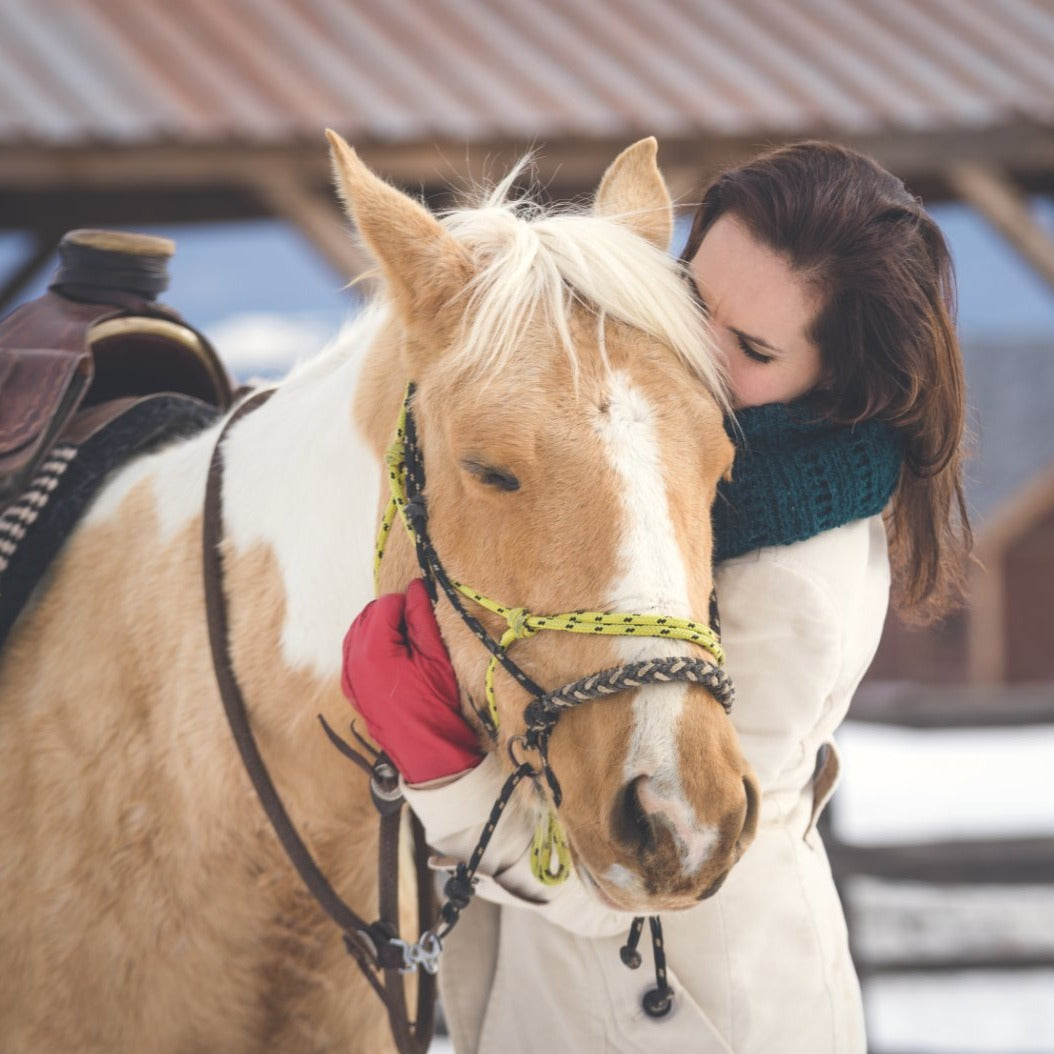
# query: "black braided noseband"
[547,708]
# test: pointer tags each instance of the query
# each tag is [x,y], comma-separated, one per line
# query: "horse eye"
[492,477]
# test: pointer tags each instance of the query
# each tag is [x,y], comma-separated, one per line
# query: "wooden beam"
[42,251]
[996,959]
[319,220]
[996,197]
[567,164]
[1010,861]
[1015,517]
[907,704]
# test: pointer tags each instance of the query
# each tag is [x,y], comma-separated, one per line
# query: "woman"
[830,292]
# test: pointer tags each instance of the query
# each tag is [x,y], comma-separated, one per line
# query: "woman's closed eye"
[751,352]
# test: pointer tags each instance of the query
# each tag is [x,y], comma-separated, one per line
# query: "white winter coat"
[762,967]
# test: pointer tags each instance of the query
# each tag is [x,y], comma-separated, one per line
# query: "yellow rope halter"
[549,836]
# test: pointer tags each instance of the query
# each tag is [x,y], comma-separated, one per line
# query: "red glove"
[397,674]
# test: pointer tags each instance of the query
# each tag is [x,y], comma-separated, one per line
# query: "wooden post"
[995,196]
[987,626]
[43,248]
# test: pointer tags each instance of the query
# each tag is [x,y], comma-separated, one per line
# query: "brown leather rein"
[381,956]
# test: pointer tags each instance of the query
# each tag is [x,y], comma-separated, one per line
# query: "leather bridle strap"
[374,946]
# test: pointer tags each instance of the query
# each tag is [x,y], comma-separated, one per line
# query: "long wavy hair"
[885,331]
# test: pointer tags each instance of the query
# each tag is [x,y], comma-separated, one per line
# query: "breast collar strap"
[376,948]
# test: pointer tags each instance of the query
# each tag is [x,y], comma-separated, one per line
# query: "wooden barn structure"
[142,112]
[132,112]
[146,112]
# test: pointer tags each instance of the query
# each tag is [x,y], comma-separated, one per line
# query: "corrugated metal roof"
[142,71]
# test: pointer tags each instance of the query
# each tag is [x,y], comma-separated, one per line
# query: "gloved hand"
[398,675]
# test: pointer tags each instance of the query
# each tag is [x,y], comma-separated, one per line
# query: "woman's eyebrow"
[693,285]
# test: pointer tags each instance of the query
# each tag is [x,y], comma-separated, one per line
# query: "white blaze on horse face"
[652,579]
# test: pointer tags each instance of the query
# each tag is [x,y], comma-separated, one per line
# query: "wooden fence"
[1010,863]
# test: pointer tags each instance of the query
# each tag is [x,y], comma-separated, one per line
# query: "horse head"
[569,413]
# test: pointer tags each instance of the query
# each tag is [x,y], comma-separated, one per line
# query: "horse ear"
[423,264]
[634,192]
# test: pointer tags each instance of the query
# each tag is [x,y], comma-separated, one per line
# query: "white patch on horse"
[300,479]
[303,481]
[622,878]
[177,475]
[652,579]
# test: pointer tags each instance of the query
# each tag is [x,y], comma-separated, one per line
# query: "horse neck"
[126,609]
[301,493]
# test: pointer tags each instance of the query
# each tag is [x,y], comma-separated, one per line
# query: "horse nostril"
[713,887]
[630,822]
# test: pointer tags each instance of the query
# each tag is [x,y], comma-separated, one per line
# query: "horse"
[569,409]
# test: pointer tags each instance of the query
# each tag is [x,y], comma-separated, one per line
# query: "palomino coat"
[763,966]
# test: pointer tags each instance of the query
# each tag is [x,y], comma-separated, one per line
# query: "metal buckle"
[424,952]
[385,791]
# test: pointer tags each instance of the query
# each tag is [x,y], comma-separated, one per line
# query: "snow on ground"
[970,1013]
[898,920]
[917,786]
[905,786]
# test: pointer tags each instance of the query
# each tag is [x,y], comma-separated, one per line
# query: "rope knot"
[537,719]
[417,513]
[459,889]
[517,620]
[395,458]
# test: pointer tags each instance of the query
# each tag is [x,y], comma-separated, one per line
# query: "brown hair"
[885,332]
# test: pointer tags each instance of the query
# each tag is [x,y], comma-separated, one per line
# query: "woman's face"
[760,311]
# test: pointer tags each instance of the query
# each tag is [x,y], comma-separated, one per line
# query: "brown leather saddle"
[92,347]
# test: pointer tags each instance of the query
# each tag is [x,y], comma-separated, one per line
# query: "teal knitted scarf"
[795,475]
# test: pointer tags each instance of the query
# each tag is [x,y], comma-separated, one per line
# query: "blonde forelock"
[533,263]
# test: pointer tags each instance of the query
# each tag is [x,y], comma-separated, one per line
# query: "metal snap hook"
[519,741]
